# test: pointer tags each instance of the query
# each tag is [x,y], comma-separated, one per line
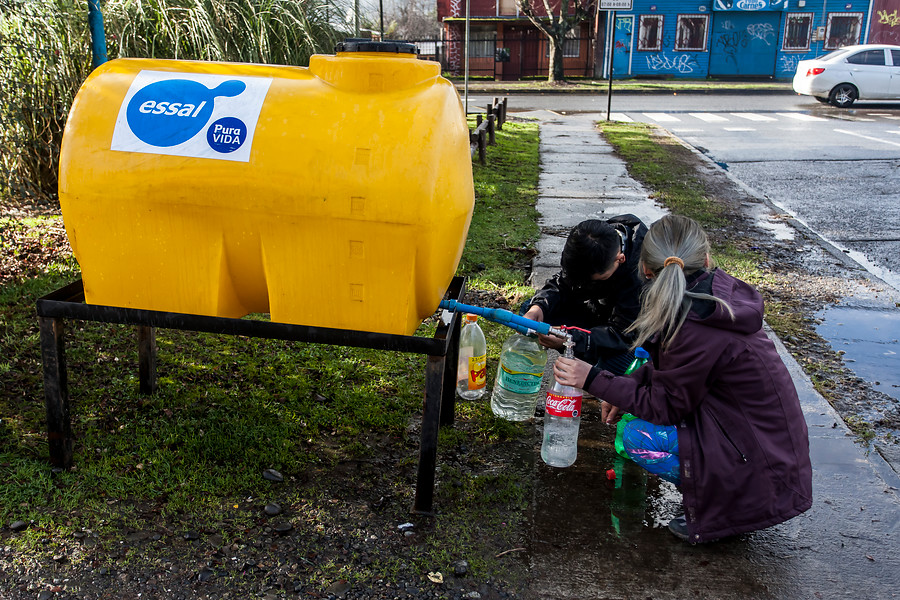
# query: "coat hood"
[744,300]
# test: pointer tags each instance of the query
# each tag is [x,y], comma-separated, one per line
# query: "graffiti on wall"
[789,62]
[763,32]
[884,28]
[679,63]
[731,42]
[891,20]
[454,60]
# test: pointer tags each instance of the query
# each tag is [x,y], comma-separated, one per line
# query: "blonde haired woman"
[716,401]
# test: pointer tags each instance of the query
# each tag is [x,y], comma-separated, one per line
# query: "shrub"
[45,56]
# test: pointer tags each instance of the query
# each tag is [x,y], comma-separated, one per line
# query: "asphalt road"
[835,170]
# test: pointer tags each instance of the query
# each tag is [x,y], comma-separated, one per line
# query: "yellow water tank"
[337,195]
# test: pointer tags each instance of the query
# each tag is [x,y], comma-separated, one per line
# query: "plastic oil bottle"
[471,374]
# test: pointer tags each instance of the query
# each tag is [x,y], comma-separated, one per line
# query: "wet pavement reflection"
[870,341]
[596,537]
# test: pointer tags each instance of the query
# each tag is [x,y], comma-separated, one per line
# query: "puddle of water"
[870,339]
[782,231]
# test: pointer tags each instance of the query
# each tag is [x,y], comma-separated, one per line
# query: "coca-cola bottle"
[471,374]
[562,418]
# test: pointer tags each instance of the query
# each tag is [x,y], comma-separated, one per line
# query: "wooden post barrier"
[486,126]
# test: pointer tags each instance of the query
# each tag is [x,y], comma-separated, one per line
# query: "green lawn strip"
[229,407]
[663,166]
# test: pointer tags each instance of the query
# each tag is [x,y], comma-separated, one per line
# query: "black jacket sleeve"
[548,297]
[610,339]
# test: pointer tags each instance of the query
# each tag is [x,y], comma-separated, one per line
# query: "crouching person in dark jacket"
[597,290]
[717,411]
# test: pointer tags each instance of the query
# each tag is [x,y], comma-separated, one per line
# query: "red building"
[504,44]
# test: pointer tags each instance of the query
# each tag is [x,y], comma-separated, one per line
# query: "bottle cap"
[470,318]
[366,45]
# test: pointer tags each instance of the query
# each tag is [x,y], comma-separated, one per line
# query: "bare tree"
[416,20]
[560,20]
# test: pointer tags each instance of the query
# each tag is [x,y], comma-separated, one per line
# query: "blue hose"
[504,317]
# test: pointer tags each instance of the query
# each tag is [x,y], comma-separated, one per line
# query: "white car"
[865,72]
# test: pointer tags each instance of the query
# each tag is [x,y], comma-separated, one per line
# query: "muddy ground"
[363,506]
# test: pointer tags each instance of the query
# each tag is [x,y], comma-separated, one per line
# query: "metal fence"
[508,58]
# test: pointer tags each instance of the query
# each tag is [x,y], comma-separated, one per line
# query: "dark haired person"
[598,289]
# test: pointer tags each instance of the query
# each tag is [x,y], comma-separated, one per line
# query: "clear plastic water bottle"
[562,419]
[519,376]
[471,374]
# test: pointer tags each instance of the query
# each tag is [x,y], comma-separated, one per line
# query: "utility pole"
[612,6]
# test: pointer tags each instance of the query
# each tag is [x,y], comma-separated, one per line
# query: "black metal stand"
[68,303]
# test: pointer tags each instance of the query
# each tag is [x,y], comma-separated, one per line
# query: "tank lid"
[364,45]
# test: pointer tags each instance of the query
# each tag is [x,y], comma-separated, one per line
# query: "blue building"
[731,38]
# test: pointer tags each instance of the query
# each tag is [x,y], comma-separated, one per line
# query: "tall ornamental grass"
[45,56]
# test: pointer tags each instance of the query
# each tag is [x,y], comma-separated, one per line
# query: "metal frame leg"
[147,359]
[56,392]
[434,383]
[451,364]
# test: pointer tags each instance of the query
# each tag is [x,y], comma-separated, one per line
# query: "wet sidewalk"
[595,538]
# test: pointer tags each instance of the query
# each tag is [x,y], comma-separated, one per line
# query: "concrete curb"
[500,91]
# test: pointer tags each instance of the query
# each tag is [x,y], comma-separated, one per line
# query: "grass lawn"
[229,408]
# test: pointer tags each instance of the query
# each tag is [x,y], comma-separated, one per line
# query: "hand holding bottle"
[562,418]
[571,371]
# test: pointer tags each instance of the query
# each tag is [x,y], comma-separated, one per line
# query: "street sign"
[615,4]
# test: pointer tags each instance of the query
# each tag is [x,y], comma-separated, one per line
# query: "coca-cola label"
[563,406]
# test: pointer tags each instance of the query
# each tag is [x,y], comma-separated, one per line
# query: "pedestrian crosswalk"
[738,118]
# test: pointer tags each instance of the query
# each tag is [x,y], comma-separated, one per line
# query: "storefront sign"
[750,5]
[615,4]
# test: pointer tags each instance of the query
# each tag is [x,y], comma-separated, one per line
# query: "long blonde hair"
[666,302]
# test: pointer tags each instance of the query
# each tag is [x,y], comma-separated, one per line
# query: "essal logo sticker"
[563,406]
[190,114]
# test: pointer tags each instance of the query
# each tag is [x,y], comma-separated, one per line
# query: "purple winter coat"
[742,437]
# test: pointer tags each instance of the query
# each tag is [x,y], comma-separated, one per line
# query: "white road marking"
[620,117]
[739,129]
[709,117]
[801,116]
[754,117]
[867,137]
[662,117]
